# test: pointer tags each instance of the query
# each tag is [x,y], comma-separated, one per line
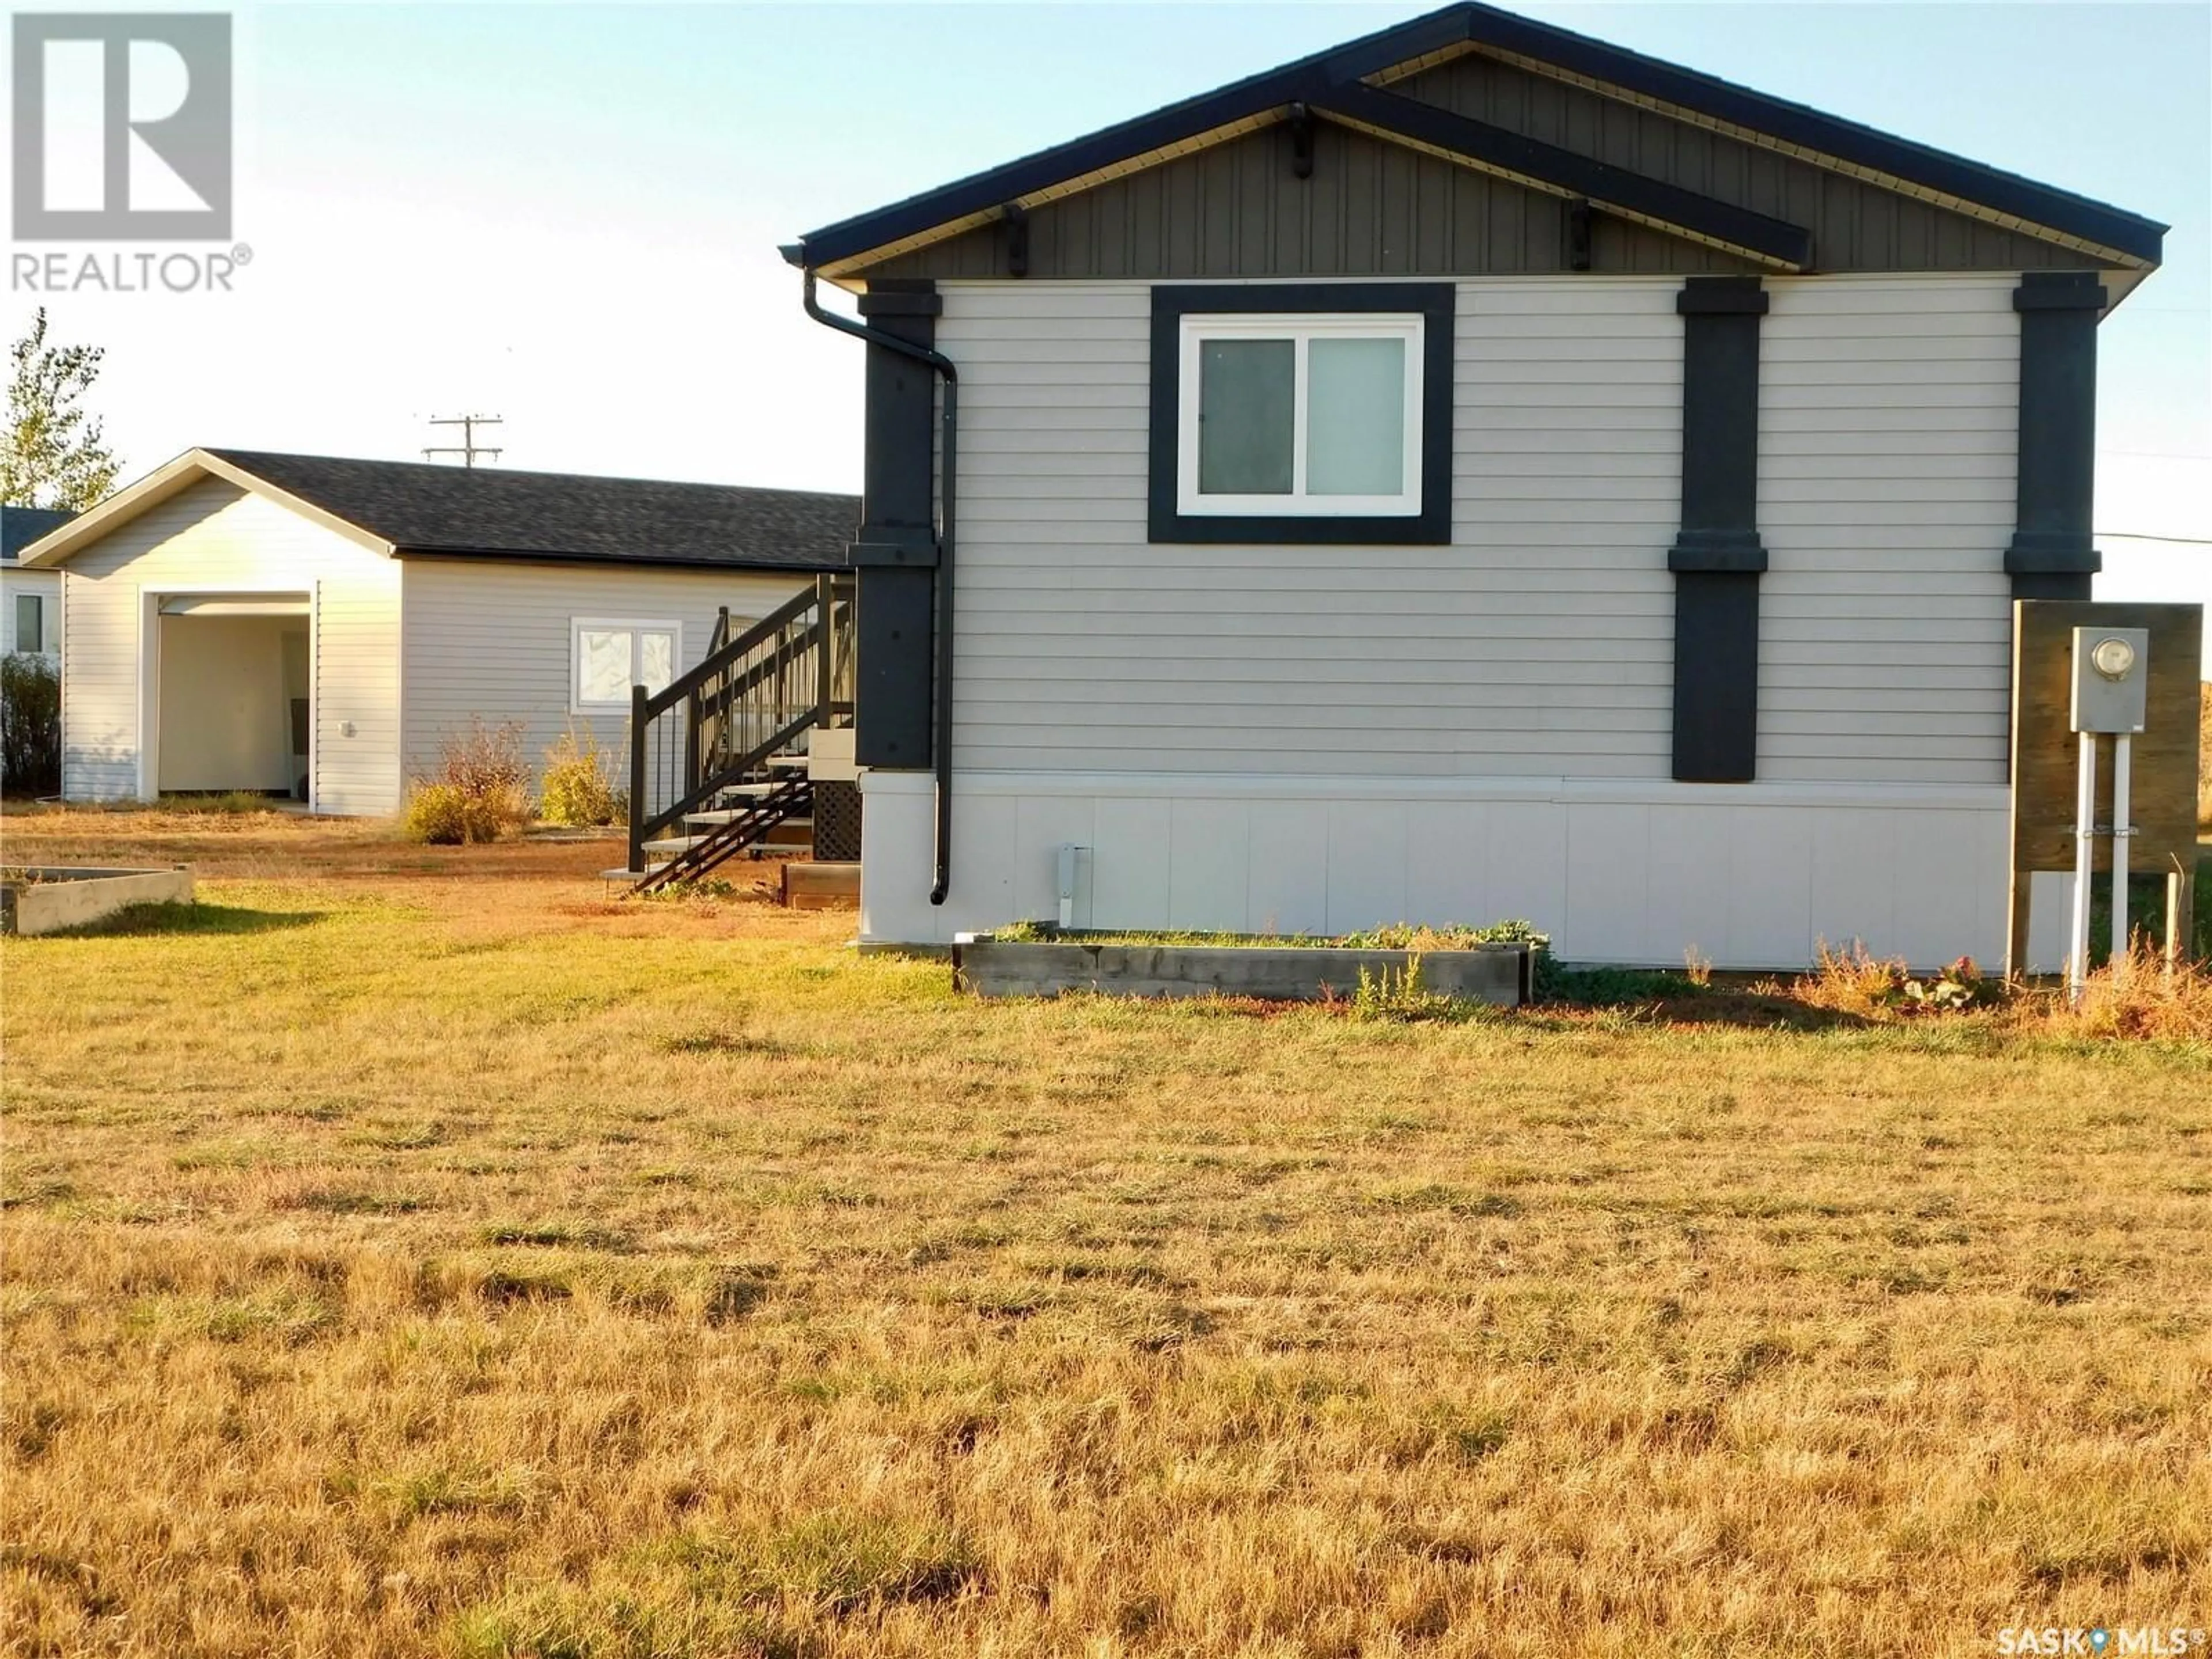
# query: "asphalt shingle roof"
[493,511]
[21,525]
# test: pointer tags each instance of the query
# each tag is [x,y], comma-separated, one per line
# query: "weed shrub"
[30,726]
[574,789]
[2145,1001]
[437,813]
[710,890]
[1412,936]
[1854,981]
[2142,1001]
[1605,987]
[480,791]
[1404,997]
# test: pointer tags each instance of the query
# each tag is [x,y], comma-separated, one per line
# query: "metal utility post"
[2111,672]
[2085,858]
[2121,830]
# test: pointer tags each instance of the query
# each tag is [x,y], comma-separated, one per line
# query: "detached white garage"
[313,627]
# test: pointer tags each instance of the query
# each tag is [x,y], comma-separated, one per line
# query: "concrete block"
[45,899]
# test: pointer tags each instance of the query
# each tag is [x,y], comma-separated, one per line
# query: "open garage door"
[234,701]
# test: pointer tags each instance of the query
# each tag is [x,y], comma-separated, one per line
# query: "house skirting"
[1745,875]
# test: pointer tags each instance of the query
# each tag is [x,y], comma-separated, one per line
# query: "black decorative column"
[2051,557]
[1718,557]
[895,552]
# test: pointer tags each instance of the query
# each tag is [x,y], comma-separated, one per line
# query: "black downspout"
[948,471]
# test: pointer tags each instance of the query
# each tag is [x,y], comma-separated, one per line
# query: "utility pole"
[468,449]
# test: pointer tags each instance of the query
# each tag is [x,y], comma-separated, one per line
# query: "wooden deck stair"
[719,763]
[761,818]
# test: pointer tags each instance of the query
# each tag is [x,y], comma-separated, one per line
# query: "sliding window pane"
[1355,417]
[1246,402]
[603,665]
[656,660]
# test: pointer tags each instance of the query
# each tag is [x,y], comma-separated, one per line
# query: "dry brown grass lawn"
[418,1255]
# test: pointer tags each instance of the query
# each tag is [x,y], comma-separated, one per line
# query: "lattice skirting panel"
[836,823]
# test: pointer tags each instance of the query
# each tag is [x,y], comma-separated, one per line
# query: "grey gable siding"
[1855,225]
[1376,208]
[1371,208]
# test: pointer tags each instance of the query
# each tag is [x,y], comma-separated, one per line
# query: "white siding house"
[314,627]
[121,718]
[1704,645]
[1322,738]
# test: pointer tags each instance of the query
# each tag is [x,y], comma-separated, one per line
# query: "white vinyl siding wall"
[1888,437]
[494,639]
[213,538]
[1539,642]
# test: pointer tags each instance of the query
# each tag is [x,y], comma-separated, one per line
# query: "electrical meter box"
[2111,678]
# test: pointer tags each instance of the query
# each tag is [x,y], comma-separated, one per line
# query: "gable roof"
[416,509]
[2106,235]
[21,525]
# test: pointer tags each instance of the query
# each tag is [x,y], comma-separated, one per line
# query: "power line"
[469,448]
[2135,536]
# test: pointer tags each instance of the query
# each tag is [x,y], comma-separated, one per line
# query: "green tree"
[57,453]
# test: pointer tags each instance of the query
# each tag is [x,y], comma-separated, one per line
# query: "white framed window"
[608,655]
[1300,414]
[31,624]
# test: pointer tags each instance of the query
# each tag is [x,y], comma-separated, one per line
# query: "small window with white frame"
[1301,415]
[31,624]
[609,655]
[1287,412]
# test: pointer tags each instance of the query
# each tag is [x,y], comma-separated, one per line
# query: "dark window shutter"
[1718,557]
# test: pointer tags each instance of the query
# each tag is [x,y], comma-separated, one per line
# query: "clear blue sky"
[568,214]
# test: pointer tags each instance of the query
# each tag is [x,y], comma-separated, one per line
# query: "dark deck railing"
[748,699]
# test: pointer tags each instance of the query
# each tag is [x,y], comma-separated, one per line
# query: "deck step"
[669,846]
[731,814]
[718,819]
[623,875]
